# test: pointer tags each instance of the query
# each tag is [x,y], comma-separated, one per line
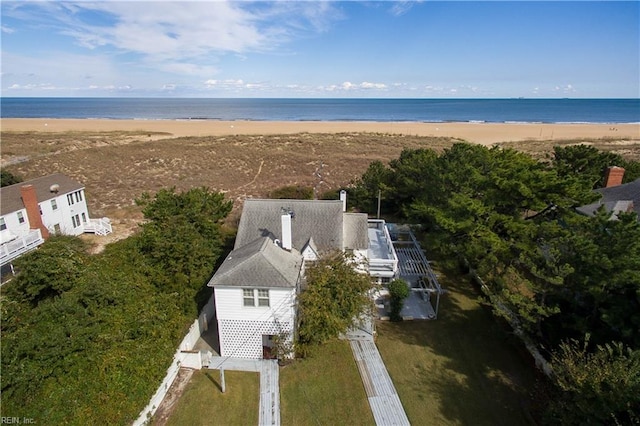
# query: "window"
[54,204]
[84,218]
[78,196]
[263,298]
[76,220]
[70,199]
[20,217]
[3,225]
[247,297]
[255,297]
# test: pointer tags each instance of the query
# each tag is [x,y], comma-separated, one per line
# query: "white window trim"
[257,298]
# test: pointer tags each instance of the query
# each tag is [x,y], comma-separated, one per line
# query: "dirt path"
[168,404]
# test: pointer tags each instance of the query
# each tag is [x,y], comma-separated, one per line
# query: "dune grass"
[203,403]
[462,368]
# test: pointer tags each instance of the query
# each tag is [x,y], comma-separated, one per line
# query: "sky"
[311,49]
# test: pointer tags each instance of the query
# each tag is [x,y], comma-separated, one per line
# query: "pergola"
[414,265]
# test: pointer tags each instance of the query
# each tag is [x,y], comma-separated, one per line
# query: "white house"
[255,288]
[31,211]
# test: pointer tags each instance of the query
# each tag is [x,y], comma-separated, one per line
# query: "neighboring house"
[255,289]
[31,211]
[616,196]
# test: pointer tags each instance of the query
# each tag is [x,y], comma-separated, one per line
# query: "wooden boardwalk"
[384,401]
[269,393]
[269,413]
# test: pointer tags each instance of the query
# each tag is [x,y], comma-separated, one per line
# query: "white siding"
[229,305]
[309,254]
[64,213]
[241,327]
[13,224]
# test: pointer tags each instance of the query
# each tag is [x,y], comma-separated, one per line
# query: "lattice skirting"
[243,339]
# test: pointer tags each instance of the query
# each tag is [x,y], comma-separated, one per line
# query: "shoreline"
[486,133]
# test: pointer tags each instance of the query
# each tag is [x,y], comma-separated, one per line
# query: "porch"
[383,261]
[19,245]
[100,226]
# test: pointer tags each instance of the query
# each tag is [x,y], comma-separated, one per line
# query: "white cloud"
[181,40]
[230,83]
[185,30]
[399,8]
[367,85]
[7,30]
[565,89]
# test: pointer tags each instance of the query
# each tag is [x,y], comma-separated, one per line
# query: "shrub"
[398,290]
[292,192]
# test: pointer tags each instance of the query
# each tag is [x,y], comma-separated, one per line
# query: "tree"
[589,163]
[49,271]
[336,296]
[596,387]
[7,178]
[182,240]
[365,190]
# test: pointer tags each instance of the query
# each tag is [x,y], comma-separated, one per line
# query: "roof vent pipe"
[343,198]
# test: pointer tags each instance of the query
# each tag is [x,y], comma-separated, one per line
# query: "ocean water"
[418,110]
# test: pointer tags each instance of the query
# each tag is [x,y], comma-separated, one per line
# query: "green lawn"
[324,389]
[462,368]
[203,403]
[459,369]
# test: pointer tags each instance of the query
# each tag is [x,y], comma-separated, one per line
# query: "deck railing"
[17,247]
[98,226]
[385,266]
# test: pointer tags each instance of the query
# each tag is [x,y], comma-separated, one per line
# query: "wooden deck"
[383,398]
[269,393]
[269,384]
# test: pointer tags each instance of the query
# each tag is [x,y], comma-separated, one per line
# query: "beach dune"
[482,133]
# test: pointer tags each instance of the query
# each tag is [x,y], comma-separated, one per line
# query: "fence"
[185,356]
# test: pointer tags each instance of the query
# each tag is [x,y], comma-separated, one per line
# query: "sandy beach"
[483,133]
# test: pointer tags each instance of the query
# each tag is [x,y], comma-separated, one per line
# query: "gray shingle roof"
[356,231]
[261,263]
[11,199]
[616,198]
[320,220]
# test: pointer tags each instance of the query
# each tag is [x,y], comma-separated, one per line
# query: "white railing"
[17,247]
[98,226]
[381,265]
[385,265]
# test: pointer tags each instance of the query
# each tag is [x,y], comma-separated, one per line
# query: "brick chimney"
[613,176]
[30,201]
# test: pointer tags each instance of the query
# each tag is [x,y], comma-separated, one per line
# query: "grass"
[462,368]
[203,403]
[324,389]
